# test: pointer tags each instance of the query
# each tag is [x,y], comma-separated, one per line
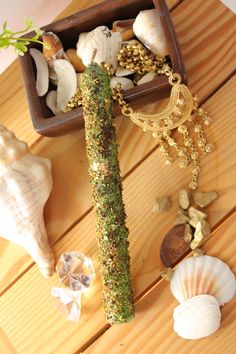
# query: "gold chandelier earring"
[181,113]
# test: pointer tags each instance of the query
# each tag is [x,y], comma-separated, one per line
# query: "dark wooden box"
[68,30]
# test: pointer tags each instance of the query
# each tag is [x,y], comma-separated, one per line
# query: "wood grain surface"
[146,231]
[67,206]
[30,322]
[152,330]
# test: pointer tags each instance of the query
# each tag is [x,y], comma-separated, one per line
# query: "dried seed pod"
[173,246]
[125,27]
[75,60]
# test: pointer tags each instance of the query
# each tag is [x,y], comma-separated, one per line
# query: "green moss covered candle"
[112,233]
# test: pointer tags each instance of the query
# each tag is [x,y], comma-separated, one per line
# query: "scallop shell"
[197,318]
[150,32]
[25,185]
[203,275]
[105,43]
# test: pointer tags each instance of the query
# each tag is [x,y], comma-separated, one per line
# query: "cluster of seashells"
[102,45]
[201,285]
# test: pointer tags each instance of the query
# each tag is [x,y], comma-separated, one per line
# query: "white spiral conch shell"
[105,43]
[203,275]
[25,185]
[197,318]
[150,32]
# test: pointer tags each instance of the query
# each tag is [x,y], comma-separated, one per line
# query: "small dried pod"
[195,216]
[75,60]
[150,32]
[173,246]
[67,82]
[203,275]
[51,101]
[125,83]
[125,27]
[53,49]
[146,78]
[42,76]
[197,318]
[100,46]
[203,199]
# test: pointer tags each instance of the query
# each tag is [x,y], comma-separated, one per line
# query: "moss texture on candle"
[112,233]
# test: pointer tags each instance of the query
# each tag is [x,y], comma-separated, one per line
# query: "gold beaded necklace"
[181,113]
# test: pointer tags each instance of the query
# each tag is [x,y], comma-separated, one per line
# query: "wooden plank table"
[30,323]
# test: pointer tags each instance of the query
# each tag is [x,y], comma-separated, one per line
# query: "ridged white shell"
[203,275]
[197,318]
[25,185]
[105,43]
[150,32]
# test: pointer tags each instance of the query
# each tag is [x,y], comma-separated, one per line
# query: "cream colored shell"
[197,318]
[149,31]
[25,185]
[203,275]
[100,45]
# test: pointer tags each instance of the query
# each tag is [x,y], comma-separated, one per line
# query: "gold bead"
[188,142]
[193,185]
[182,151]
[169,160]
[183,163]
[162,148]
[209,148]
[201,142]
[194,155]
[182,129]
[207,120]
[196,170]
[197,128]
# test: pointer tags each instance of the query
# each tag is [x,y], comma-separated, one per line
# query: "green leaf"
[4,27]
[19,51]
[28,21]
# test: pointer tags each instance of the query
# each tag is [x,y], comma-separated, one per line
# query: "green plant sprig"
[10,38]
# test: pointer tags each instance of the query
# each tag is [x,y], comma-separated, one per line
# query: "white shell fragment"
[150,32]
[197,318]
[123,72]
[203,275]
[51,101]
[25,185]
[146,78]
[42,78]
[67,82]
[125,83]
[105,43]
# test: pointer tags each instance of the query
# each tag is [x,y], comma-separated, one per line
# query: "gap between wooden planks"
[13,102]
[29,317]
[152,331]
[67,206]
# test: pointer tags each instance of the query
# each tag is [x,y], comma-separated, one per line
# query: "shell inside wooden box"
[68,31]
